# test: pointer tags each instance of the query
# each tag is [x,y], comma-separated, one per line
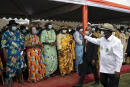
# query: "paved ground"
[124,81]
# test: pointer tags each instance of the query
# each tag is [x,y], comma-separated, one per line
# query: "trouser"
[78,61]
[109,80]
[78,55]
[94,71]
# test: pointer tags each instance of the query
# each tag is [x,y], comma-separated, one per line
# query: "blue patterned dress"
[78,49]
[14,43]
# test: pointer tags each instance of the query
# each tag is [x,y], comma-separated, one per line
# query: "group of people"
[40,53]
[112,51]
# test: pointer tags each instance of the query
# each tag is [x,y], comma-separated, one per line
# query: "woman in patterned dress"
[35,59]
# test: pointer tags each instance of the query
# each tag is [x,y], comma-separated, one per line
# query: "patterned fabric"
[66,63]
[97,34]
[36,62]
[117,34]
[123,39]
[14,42]
[127,35]
[49,51]
[128,60]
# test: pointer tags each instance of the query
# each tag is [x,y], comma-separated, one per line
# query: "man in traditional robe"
[65,46]
[48,39]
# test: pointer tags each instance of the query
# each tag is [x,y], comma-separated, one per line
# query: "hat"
[122,28]
[107,26]
[12,22]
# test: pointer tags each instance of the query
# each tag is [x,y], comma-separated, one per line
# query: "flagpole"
[84,19]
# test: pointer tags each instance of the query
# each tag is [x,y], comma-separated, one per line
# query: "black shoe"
[95,84]
[78,85]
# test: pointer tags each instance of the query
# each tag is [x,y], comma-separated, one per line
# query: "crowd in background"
[33,53]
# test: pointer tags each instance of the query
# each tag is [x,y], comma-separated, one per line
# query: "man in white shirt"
[111,56]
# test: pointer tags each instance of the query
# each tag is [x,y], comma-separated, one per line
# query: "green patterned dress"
[49,51]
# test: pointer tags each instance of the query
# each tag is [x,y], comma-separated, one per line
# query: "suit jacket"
[90,53]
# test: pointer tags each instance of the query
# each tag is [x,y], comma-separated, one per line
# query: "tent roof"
[44,9]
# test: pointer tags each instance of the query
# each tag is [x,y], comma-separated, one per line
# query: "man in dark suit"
[89,62]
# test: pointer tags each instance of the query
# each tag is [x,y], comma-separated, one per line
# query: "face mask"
[87,32]
[14,28]
[64,31]
[93,29]
[128,30]
[98,31]
[24,31]
[81,30]
[38,31]
[27,28]
[122,31]
[102,33]
[34,31]
[69,30]
[49,26]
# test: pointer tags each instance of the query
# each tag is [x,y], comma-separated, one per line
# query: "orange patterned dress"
[36,63]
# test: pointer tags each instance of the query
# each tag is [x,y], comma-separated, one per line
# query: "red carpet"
[67,81]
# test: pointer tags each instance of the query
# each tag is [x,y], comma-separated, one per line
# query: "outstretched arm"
[93,40]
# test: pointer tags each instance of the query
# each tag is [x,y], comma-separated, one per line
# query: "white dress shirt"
[77,39]
[111,53]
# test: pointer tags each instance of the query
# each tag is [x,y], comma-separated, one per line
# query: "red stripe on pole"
[85,19]
[110,4]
